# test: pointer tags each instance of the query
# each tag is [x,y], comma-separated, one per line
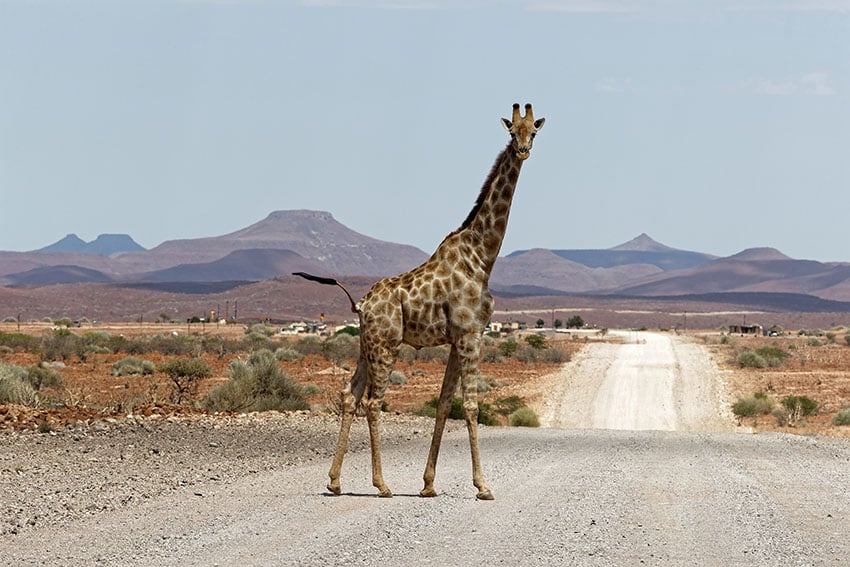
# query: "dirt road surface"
[649,381]
[615,488]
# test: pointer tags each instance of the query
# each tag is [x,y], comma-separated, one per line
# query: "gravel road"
[649,381]
[250,490]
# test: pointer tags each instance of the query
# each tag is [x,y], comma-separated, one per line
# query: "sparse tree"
[185,375]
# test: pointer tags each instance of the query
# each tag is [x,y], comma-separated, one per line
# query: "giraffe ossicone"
[443,301]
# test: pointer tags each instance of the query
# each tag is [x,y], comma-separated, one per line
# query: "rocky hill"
[313,241]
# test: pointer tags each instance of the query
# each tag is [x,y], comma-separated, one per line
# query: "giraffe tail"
[328,281]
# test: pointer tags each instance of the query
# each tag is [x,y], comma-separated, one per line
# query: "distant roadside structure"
[746,330]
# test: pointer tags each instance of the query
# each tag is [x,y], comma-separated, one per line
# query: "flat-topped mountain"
[315,242]
[314,235]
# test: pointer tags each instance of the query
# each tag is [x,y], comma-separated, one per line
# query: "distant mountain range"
[313,241]
[105,244]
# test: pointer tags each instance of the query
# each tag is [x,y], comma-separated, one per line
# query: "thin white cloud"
[611,85]
[792,6]
[586,6]
[684,8]
[817,84]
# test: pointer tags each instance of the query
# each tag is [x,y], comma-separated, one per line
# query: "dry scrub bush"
[288,354]
[185,375]
[842,417]
[15,388]
[257,385]
[757,404]
[132,366]
[524,417]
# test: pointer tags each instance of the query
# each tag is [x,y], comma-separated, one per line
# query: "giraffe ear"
[507,124]
[538,124]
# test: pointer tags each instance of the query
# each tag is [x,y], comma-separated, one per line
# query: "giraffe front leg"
[469,382]
[348,406]
[470,415]
[373,414]
[443,407]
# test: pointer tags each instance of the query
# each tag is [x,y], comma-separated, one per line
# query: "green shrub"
[349,330]
[491,354]
[536,342]
[397,378]
[554,356]
[814,342]
[61,345]
[434,354]
[508,348]
[842,417]
[507,406]
[801,405]
[257,385]
[524,417]
[260,328]
[750,359]
[810,333]
[341,347]
[485,411]
[132,366]
[185,375]
[772,356]
[311,344]
[406,353]
[18,341]
[288,354]
[40,376]
[15,387]
[758,404]
[527,353]
[256,340]
[174,345]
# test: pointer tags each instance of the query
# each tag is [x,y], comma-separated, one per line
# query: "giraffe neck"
[484,228]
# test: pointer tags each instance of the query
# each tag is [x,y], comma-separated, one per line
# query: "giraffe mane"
[485,190]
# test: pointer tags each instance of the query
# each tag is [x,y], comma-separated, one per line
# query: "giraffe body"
[443,301]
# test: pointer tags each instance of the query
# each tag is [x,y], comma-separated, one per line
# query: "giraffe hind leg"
[348,405]
[373,413]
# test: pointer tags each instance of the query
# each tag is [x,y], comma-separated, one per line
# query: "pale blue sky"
[713,126]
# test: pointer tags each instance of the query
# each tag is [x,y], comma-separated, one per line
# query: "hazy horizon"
[713,127]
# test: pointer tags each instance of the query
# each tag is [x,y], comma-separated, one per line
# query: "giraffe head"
[522,130]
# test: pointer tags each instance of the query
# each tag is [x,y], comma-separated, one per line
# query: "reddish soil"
[89,391]
[820,372]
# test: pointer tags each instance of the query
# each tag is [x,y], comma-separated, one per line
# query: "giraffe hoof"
[385,493]
[334,489]
[485,495]
[428,492]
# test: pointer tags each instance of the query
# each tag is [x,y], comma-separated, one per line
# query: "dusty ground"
[638,381]
[819,371]
[248,490]
[93,393]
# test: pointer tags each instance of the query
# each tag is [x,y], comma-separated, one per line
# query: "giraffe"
[443,301]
